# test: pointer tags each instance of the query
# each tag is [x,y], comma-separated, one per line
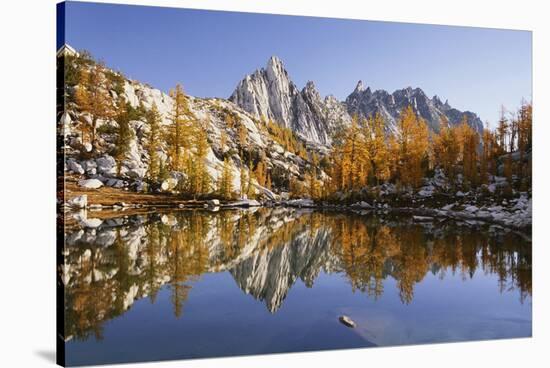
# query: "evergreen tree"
[470,156]
[394,158]
[125,134]
[413,145]
[377,147]
[198,180]
[524,140]
[204,180]
[229,121]
[313,185]
[225,182]
[242,136]
[502,131]
[446,148]
[223,141]
[163,171]
[250,186]
[180,133]
[92,97]
[525,127]
[487,160]
[153,143]
[243,179]
[268,181]
[296,189]
[352,161]
[261,171]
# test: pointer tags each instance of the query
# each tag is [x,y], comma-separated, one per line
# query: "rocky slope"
[212,115]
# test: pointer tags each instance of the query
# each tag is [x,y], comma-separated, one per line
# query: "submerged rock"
[345,320]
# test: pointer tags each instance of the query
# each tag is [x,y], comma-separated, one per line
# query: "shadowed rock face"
[366,103]
[270,93]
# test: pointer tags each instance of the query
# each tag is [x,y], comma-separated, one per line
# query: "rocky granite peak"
[270,93]
[359,87]
[390,106]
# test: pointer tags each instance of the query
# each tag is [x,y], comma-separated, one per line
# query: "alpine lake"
[194,283]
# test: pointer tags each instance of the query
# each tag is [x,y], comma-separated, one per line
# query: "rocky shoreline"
[514,213]
[516,216]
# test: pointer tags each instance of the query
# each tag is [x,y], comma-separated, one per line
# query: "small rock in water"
[347,321]
[423,218]
[213,202]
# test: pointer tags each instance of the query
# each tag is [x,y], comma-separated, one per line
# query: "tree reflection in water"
[266,251]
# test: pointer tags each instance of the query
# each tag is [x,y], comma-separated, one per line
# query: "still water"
[193,283]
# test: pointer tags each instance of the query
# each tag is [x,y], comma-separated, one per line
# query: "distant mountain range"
[270,93]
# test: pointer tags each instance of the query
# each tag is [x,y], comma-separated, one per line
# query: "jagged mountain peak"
[331,98]
[390,106]
[275,69]
[360,87]
[275,62]
[311,91]
[271,93]
[310,85]
[410,92]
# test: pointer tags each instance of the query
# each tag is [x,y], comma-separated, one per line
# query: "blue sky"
[209,52]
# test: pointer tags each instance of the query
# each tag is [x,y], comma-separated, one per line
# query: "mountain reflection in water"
[266,251]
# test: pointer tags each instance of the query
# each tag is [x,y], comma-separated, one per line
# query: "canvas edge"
[60,190]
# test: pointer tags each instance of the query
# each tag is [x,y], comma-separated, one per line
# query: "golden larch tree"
[93,98]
